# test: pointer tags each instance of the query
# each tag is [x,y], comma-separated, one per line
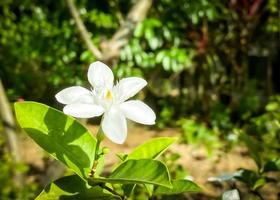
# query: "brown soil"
[193,159]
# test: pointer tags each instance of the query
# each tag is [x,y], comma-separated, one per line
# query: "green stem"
[99,137]
[112,191]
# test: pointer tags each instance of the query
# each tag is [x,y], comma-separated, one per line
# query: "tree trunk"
[6,115]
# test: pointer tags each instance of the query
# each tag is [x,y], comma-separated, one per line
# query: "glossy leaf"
[149,188]
[138,172]
[179,186]
[272,165]
[74,188]
[100,165]
[151,149]
[259,183]
[128,189]
[60,135]
[249,177]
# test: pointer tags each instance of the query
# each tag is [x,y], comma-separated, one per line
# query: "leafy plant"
[261,137]
[200,135]
[67,140]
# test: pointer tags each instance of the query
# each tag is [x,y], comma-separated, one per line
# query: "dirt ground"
[193,159]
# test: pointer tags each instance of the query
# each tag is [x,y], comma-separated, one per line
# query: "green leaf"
[121,156]
[249,177]
[179,186]
[100,165]
[149,188]
[151,149]
[272,165]
[259,183]
[128,189]
[138,172]
[58,134]
[73,188]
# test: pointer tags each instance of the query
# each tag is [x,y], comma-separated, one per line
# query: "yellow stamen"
[109,95]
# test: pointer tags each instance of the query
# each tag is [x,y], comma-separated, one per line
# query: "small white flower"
[108,99]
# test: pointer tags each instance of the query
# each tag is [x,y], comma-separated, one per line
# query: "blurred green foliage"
[194,54]
[9,189]
[199,134]
[262,134]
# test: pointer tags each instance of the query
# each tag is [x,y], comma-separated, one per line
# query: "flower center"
[108,95]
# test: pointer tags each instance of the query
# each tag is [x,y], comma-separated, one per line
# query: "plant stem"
[99,137]
[112,191]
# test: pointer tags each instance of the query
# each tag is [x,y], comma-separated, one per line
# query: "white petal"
[82,110]
[114,125]
[100,75]
[138,111]
[71,94]
[128,87]
[86,98]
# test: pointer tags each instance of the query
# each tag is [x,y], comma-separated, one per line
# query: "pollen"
[109,95]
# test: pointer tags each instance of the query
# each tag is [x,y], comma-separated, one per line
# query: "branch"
[136,15]
[112,191]
[82,30]
[111,49]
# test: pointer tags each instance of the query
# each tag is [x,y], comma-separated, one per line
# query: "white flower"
[109,100]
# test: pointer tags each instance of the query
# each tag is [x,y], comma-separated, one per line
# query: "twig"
[137,13]
[111,49]
[82,30]
[99,137]
[112,191]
